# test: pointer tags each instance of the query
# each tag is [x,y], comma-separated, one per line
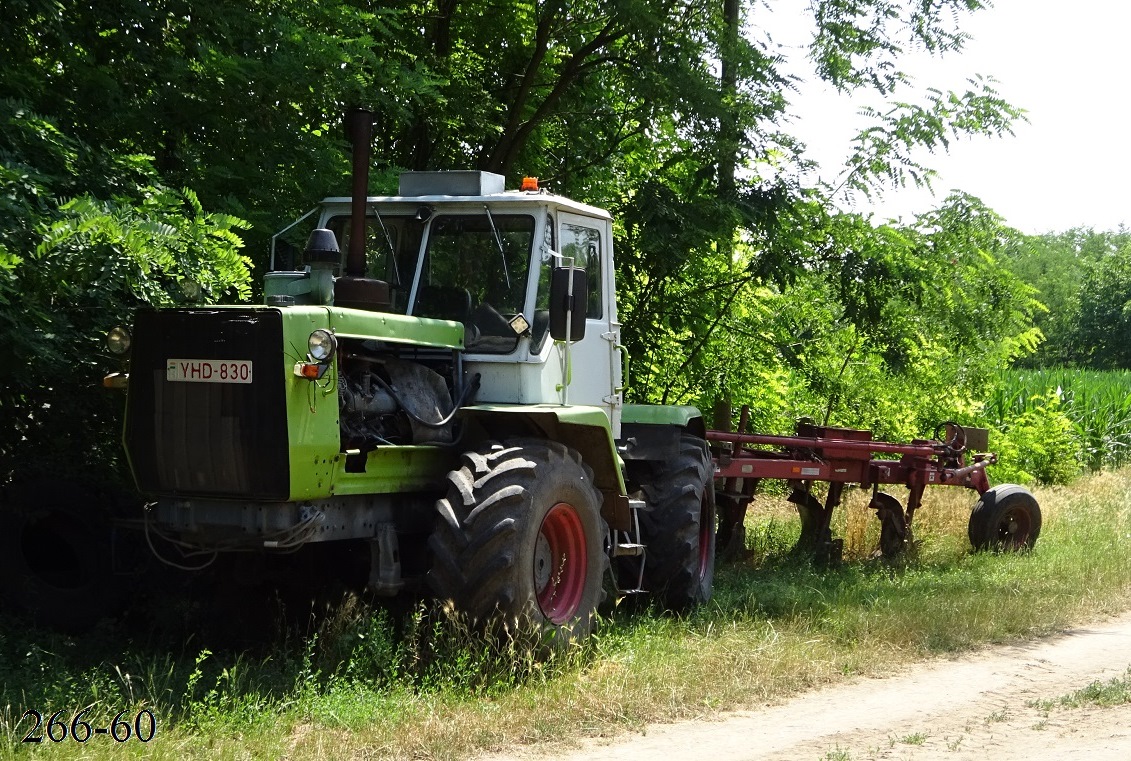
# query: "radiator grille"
[208,439]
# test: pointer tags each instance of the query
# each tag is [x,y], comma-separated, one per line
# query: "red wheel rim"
[706,530]
[1014,528]
[560,561]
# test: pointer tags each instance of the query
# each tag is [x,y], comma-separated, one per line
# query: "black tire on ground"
[519,539]
[55,555]
[678,528]
[1006,517]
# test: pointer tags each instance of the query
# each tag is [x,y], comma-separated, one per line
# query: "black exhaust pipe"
[353,289]
[359,131]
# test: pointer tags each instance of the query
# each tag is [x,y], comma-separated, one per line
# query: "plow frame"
[840,457]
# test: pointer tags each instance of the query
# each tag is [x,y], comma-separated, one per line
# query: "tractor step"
[628,549]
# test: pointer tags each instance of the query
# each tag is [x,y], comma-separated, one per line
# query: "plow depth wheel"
[1006,517]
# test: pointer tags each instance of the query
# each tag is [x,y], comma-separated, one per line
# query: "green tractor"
[435,387]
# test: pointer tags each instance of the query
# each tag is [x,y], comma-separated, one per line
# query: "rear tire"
[1006,517]
[678,528]
[519,540]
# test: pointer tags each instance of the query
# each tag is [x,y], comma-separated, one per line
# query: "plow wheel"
[1006,517]
[519,540]
[895,534]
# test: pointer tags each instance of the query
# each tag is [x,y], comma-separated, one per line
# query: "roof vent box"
[456,183]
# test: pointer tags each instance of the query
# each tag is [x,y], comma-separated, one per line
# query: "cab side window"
[583,245]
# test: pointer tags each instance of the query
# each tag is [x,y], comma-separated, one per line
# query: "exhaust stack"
[353,289]
[359,130]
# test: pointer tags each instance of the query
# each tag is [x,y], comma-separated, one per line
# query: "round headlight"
[322,344]
[118,340]
[191,289]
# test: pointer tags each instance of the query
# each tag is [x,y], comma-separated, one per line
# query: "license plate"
[208,370]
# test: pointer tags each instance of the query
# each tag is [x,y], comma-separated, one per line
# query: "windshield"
[474,271]
[391,247]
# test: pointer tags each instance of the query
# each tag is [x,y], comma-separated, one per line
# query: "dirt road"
[976,708]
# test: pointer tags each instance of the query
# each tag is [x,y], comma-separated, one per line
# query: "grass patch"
[377,685]
[1114,692]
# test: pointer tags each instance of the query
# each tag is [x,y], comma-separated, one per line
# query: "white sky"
[1067,64]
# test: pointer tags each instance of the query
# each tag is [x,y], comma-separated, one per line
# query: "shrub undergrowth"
[1049,425]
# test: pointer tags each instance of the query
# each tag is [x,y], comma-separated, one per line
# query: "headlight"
[118,340]
[191,289]
[322,345]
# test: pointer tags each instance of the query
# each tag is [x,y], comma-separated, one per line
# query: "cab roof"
[466,187]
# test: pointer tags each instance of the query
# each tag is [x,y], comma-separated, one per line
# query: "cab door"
[596,368]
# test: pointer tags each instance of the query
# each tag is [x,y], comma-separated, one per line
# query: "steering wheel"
[951,434]
[490,321]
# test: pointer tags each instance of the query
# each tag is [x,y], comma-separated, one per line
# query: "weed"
[1116,691]
[915,738]
[997,717]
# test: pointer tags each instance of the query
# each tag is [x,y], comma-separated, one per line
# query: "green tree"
[239,101]
[1056,265]
[1103,331]
[661,112]
[71,267]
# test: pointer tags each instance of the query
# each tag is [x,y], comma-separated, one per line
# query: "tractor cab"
[457,246]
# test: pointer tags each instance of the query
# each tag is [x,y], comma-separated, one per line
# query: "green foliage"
[73,266]
[885,151]
[889,328]
[1059,266]
[1097,404]
[1103,332]
[856,42]
[663,113]
[1039,445]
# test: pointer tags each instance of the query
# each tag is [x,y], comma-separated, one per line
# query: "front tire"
[519,539]
[55,554]
[1006,517]
[678,528]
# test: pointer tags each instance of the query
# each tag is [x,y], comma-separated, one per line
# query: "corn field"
[1097,403]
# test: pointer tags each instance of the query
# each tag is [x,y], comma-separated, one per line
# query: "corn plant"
[1098,403]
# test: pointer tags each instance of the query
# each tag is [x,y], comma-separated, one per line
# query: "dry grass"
[777,626]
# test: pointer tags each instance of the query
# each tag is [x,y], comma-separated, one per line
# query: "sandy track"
[975,708]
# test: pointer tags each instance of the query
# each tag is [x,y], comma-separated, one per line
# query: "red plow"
[1005,517]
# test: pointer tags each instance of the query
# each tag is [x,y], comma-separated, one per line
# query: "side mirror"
[568,297]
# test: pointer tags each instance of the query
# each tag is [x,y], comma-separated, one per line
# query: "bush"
[88,237]
[1038,446]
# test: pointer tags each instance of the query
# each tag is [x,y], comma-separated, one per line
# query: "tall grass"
[1097,404]
[365,684]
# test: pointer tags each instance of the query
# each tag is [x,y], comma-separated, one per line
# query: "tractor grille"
[220,439]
